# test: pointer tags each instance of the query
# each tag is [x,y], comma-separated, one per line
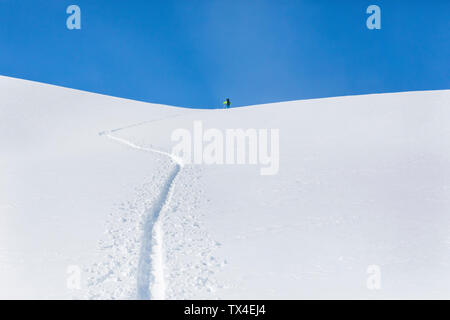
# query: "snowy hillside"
[90,191]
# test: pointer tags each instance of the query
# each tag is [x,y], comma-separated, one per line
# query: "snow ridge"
[150,275]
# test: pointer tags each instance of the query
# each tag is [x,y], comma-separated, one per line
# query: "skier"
[227,103]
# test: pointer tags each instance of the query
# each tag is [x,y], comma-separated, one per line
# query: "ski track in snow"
[150,275]
[151,255]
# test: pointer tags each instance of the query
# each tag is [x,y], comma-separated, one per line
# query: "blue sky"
[195,53]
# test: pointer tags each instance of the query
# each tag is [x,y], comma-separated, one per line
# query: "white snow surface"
[88,183]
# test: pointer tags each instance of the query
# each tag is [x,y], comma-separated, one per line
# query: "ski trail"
[138,124]
[150,277]
[150,274]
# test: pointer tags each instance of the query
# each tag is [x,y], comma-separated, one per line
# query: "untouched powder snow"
[93,205]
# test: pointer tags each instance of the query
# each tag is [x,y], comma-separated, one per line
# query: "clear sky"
[195,53]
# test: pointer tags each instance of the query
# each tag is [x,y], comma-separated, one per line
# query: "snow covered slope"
[358,209]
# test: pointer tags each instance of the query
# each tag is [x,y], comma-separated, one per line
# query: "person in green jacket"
[227,103]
